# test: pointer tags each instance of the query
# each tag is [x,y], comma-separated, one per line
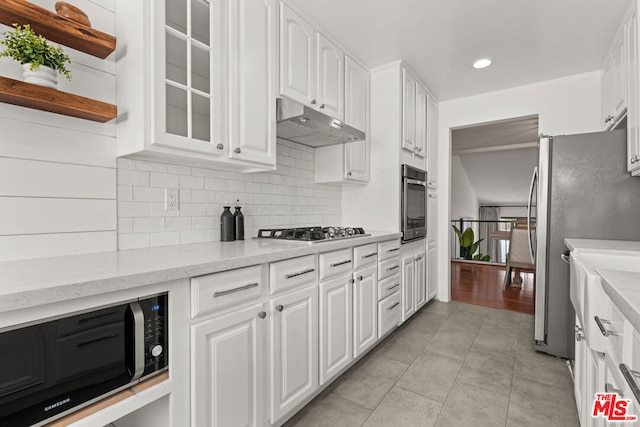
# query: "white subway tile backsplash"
[164,180]
[285,197]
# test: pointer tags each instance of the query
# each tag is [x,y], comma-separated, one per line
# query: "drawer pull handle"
[393,287]
[309,270]
[234,290]
[394,306]
[630,377]
[340,263]
[609,388]
[393,249]
[262,314]
[370,255]
[600,322]
[393,268]
[279,307]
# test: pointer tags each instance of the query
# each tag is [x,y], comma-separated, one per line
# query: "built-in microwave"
[53,367]
[414,203]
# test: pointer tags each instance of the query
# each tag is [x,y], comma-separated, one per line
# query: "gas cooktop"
[311,234]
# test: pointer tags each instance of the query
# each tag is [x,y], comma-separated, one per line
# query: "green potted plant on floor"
[40,60]
[468,247]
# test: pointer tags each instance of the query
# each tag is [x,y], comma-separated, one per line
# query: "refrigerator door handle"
[534,178]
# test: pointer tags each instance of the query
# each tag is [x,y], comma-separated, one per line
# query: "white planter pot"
[42,76]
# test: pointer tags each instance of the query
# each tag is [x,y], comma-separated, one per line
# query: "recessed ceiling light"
[482,63]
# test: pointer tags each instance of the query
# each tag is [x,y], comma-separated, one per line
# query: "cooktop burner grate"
[311,234]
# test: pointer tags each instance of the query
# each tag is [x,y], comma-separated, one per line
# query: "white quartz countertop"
[623,288]
[601,245]
[28,283]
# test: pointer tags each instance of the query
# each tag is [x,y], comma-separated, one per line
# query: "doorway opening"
[491,169]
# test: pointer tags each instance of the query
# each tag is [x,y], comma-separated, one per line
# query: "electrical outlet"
[170,199]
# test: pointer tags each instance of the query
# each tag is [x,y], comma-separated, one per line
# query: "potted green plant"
[468,247]
[40,60]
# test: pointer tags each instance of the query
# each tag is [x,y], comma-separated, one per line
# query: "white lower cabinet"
[227,369]
[389,314]
[293,349]
[432,273]
[421,279]
[365,310]
[336,326]
[408,287]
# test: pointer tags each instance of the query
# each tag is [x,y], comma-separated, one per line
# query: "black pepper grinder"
[227,225]
[239,221]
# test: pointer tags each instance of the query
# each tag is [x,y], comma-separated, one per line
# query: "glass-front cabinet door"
[187,98]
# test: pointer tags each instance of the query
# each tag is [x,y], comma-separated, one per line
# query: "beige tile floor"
[451,365]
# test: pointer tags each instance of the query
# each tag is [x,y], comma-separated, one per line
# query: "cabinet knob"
[360,278]
[349,173]
[352,281]
[279,307]
[314,102]
[634,159]
[580,337]
[322,106]
[262,314]
[237,150]
[220,146]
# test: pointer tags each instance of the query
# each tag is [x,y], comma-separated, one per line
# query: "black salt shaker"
[227,225]
[239,222]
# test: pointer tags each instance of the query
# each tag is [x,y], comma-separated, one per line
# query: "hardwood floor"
[480,284]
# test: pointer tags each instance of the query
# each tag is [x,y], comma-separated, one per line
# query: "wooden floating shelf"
[46,99]
[57,28]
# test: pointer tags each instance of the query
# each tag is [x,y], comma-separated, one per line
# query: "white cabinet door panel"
[297,57]
[335,326]
[294,349]
[420,275]
[330,78]
[408,111]
[408,287]
[365,310]
[228,369]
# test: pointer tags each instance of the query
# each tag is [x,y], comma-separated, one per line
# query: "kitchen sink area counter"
[39,281]
[623,287]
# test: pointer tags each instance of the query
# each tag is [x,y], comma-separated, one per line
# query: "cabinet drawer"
[388,249]
[292,273]
[219,290]
[335,263]
[388,314]
[388,268]
[365,255]
[388,286]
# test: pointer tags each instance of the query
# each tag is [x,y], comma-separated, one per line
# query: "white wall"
[464,202]
[567,105]
[513,211]
[57,173]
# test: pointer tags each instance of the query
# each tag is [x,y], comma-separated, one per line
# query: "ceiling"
[499,159]
[529,41]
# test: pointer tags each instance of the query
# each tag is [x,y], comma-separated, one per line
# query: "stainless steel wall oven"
[414,203]
[49,369]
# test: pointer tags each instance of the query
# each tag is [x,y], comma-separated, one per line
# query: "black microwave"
[414,203]
[50,369]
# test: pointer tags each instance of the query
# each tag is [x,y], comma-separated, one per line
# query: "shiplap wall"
[286,197]
[58,173]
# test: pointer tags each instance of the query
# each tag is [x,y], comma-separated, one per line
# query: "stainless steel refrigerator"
[580,189]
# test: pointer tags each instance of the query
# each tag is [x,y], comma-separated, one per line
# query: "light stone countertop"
[595,245]
[623,288]
[33,282]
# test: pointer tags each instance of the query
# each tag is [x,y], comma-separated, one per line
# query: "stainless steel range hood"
[306,126]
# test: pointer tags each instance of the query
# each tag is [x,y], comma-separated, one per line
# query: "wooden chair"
[518,256]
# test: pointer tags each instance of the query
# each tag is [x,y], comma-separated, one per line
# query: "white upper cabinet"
[619,77]
[330,78]
[633,117]
[252,80]
[408,111]
[208,80]
[421,122]
[311,66]
[356,102]
[432,143]
[297,57]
